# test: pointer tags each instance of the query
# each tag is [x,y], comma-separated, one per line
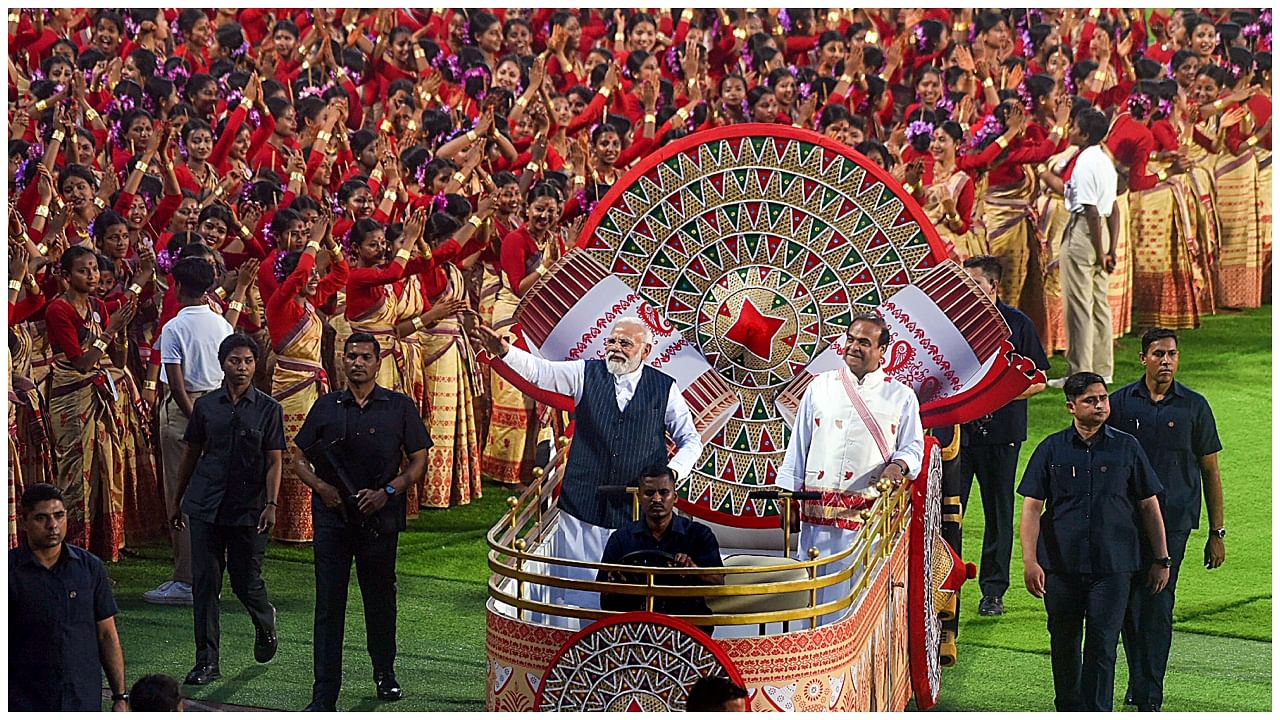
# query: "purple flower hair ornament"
[277,268]
[1139,105]
[918,128]
[164,260]
[784,19]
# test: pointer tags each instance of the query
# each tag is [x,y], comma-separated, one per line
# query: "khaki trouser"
[173,425]
[1085,310]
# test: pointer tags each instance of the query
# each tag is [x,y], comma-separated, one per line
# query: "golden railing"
[529,515]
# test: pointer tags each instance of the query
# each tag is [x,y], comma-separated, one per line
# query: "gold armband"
[846,78]
[135,289]
[683,115]
[235,305]
[245,232]
[15,17]
[959,26]
[1161,175]
[42,211]
[418,52]
[92,115]
[475,220]
[1251,142]
[417,322]
[402,254]
[150,385]
[740,33]
[41,105]
[1094,13]
[650,118]
[305,64]
[42,249]
[15,285]
[391,195]
[686,15]
[1100,75]
[522,102]
[606,92]
[59,135]
[313,246]
[100,203]
[376,175]
[988,82]
[385,125]
[579,179]
[1002,142]
[220,293]
[459,178]
[246,103]
[533,167]
[100,345]
[31,283]
[325,136]
[472,136]
[297,177]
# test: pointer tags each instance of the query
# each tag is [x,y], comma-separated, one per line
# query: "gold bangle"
[313,246]
[959,26]
[579,179]
[150,385]
[31,283]
[15,285]
[135,289]
[682,114]
[100,203]
[142,166]
[391,195]
[1094,13]
[100,345]
[246,103]
[92,115]
[1161,175]
[235,305]
[385,125]
[15,17]
[650,119]
[1251,141]
[687,14]
[459,178]
[846,78]
[1100,75]
[522,101]
[740,34]
[220,293]
[297,177]
[42,248]
[606,92]
[418,52]
[1002,142]
[472,136]
[988,82]
[402,254]
[533,167]
[417,322]
[475,220]
[59,135]
[41,105]
[42,211]
[245,232]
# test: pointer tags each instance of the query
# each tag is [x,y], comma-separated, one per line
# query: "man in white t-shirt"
[1088,252]
[189,353]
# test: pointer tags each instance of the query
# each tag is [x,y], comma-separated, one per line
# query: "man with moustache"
[690,543]
[62,624]
[359,450]
[624,412]
[1176,427]
[855,427]
[1086,489]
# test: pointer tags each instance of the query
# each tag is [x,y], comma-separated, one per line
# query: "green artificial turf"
[1221,657]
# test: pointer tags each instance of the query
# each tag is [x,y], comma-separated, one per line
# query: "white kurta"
[831,450]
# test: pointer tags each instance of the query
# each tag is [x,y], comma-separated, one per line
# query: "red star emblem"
[754,330]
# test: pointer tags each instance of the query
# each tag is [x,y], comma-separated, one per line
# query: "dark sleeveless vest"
[611,447]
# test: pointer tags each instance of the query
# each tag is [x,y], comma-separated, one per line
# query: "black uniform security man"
[1085,488]
[1176,428]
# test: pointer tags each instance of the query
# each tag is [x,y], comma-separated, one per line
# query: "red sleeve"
[1235,138]
[514,259]
[365,278]
[964,205]
[974,163]
[1032,152]
[164,213]
[590,113]
[63,327]
[228,137]
[25,308]
[333,281]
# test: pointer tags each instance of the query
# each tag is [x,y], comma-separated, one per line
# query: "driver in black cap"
[662,539]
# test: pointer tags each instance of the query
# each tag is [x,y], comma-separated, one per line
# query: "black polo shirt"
[53,630]
[1009,423]
[229,484]
[683,536]
[369,443]
[1091,492]
[1175,433]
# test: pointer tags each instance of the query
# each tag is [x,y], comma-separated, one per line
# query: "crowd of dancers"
[386,170]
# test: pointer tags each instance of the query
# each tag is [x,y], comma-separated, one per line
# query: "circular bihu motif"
[637,661]
[758,243]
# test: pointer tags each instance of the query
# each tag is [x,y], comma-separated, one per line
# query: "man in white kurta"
[855,426]
[586,520]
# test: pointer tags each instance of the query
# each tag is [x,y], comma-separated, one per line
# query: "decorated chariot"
[747,250]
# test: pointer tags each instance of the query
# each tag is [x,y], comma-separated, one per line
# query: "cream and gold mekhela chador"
[297,381]
[453,462]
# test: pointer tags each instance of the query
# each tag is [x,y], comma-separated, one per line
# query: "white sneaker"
[169,593]
[1057,383]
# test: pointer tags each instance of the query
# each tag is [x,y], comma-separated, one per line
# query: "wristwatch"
[119,697]
[1166,562]
[1219,533]
[390,490]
